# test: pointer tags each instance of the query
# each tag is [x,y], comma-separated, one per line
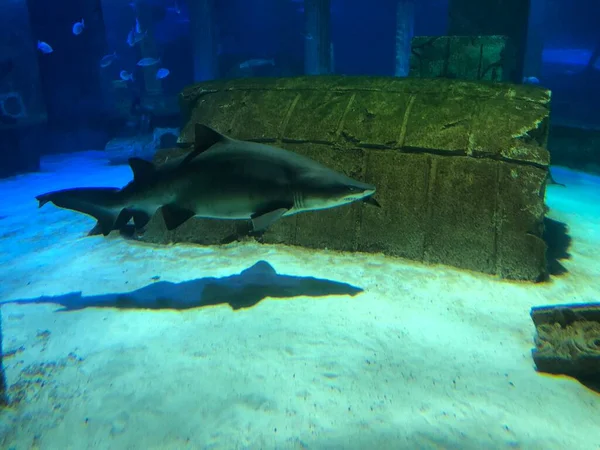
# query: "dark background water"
[80,104]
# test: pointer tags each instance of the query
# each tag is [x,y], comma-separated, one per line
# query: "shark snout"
[359,191]
[362,189]
[369,191]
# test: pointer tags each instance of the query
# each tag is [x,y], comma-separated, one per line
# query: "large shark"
[221,178]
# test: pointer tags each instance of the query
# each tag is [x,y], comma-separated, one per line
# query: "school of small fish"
[135,36]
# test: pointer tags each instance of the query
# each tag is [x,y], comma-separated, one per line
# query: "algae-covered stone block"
[439,121]
[403,187]
[460,166]
[567,341]
[465,57]
[460,187]
[520,212]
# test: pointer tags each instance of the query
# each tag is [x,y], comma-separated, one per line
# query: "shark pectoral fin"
[371,201]
[263,221]
[174,215]
[142,169]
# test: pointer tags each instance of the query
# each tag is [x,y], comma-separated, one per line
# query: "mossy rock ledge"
[460,166]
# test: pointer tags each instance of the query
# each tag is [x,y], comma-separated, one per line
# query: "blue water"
[114,343]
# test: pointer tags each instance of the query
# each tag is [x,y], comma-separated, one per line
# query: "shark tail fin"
[100,203]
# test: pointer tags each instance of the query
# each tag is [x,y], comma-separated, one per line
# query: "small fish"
[257,63]
[126,76]
[162,73]
[78,27]
[145,62]
[531,80]
[107,60]
[44,47]
[133,37]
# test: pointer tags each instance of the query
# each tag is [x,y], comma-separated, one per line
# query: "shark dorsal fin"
[142,169]
[206,137]
[260,268]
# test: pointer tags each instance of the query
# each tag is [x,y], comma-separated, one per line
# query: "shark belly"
[235,204]
[239,198]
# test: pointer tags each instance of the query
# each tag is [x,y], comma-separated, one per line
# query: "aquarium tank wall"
[299,224]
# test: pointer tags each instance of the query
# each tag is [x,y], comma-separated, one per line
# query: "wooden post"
[405,24]
[317,45]
[203,39]
[535,40]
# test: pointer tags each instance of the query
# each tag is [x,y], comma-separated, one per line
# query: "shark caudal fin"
[100,203]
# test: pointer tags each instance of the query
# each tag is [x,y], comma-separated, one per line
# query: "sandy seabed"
[349,351]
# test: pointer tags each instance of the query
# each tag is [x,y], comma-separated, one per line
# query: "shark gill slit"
[298,200]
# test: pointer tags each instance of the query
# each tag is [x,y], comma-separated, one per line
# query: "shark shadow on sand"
[556,235]
[240,291]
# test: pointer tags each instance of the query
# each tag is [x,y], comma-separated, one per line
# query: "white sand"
[424,358]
